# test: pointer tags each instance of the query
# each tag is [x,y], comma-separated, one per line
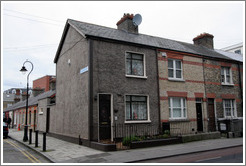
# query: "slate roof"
[92,30]
[31,101]
[232,55]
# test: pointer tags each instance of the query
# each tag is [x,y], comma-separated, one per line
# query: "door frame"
[111,114]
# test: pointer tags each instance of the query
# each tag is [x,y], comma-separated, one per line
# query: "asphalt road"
[14,152]
[228,155]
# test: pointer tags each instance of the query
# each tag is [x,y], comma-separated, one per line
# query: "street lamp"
[24,70]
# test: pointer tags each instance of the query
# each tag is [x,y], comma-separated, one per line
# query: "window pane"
[228,111]
[170,73]
[128,98]
[227,71]
[138,98]
[177,112]
[139,111]
[128,111]
[128,55]
[184,112]
[137,56]
[128,67]
[228,79]
[176,102]
[169,112]
[137,67]
[178,64]
[222,71]
[170,63]
[178,73]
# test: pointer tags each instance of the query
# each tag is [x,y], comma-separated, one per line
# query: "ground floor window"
[177,108]
[229,108]
[136,108]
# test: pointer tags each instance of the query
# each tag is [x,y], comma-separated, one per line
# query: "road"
[228,155]
[14,152]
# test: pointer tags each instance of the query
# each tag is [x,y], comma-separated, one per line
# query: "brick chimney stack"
[205,40]
[126,24]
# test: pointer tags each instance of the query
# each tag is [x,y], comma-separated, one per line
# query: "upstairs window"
[135,64]
[226,76]
[175,69]
[229,108]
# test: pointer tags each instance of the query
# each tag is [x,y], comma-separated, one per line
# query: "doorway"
[199,114]
[211,115]
[104,116]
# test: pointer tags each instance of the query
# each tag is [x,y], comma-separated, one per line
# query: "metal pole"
[25,138]
[44,142]
[30,136]
[36,140]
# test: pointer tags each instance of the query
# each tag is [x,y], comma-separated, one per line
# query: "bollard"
[36,140]
[44,142]
[30,136]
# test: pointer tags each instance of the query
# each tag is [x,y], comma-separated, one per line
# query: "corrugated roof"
[31,101]
[87,29]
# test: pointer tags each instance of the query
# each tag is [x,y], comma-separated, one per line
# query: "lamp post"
[24,70]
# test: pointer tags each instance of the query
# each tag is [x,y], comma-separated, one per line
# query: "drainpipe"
[158,91]
[240,83]
[90,91]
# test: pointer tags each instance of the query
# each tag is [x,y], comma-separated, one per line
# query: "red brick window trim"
[176,94]
[228,96]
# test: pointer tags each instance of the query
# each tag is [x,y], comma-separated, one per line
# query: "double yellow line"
[24,152]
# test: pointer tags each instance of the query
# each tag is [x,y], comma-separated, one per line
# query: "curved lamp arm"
[24,69]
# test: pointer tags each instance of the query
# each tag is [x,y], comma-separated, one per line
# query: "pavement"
[59,151]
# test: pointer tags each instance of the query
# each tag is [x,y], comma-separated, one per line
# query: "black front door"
[211,115]
[104,116]
[199,114]
[48,120]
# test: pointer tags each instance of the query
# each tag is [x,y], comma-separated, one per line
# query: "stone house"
[109,77]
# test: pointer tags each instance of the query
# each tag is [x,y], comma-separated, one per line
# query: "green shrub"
[127,140]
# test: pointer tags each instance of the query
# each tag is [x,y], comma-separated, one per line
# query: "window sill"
[176,80]
[224,84]
[133,76]
[229,118]
[41,113]
[139,121]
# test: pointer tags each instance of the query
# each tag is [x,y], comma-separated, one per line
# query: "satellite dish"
[137,19]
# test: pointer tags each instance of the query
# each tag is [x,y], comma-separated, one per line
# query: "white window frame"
[233,111]
[148,110]
[144,65]
[40,111]
[183,100]
[230,73]
[174,70]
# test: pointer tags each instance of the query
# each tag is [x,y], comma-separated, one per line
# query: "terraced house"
[111,82]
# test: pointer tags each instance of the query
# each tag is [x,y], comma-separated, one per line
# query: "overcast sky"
[32,30]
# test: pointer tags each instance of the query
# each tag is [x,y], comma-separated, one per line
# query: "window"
[175,69]
[229,108]
[238,51]
[136,108]
[226,75]
[40,111]
[135,64]
[177,108]
[13,91]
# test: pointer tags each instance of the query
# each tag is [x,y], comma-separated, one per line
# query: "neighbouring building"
[111,80]
[45,83]
[237,48]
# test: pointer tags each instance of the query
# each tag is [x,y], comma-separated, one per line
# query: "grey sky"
[32,30]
